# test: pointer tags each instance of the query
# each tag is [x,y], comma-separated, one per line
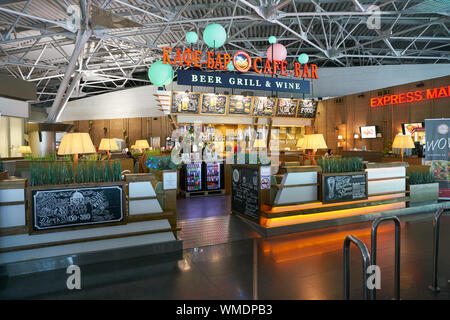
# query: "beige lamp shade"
[259,143]
[133,147]
[108,145]
[24,149]
[403,142]
[76,143]
[141,144]
[300,142]
[313,141]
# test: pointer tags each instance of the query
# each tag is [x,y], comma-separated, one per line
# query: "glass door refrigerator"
[194,177]
[213,176]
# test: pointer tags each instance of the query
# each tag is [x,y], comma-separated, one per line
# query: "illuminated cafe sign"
[240,81]
[411,96]
[242,62]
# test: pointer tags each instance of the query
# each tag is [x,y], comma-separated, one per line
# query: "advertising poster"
[286,107]
[185,102]
[239,105]
[213,104]
[437,153]
[263,106]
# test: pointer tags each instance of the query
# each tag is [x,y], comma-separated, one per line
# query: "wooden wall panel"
[355,111]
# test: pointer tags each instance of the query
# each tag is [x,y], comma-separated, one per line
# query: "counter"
[304,195]
[39,222]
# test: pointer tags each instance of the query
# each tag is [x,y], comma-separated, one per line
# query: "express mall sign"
[241,61]
[411,96]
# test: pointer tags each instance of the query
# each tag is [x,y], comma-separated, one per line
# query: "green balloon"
[214,35]
[230,66]
[303,58]
[160,74]
[191,37]
[272,40]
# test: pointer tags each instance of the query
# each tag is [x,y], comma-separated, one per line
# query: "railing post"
[436,221]
[373,252]
[366,260]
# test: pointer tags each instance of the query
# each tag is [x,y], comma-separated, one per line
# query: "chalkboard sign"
[344,187]
[307,109]
[263,106]
[183,102]
[213,103]
[286,107]
[245,191]
[239,105]
[59,208]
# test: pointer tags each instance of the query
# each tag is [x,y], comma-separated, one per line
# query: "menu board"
[239,105]
[306,109]
[58,208]
[286,107]
[263,107]
[183,102]
[213,103]
[245,191]
[344,187]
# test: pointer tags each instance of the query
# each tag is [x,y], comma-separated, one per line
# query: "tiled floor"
[305,265]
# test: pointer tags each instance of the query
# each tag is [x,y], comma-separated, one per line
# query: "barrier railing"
[434,286]
[373,252]
[366,261]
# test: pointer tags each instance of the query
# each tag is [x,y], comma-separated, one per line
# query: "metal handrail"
[434,286]
[366,260]
[373,252]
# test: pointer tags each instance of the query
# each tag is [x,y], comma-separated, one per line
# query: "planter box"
[422,194]
[4,175]
[74,206]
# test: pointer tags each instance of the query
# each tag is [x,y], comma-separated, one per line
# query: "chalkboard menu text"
[245,191]
[286,107]
[306,109]
[344,187]
[58,208]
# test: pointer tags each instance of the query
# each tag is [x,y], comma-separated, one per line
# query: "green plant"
[62,172]
[420,177]
[337,165]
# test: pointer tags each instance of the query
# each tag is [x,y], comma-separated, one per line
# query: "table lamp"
[314,142]
[300,143]
[24,150]
[403,142]
[76,143]
[141,144]
[108,145]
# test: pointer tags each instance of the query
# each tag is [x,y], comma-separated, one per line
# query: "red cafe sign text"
[241,61]
[411,96]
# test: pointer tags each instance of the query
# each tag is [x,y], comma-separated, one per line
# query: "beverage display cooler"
[213,176]
[193,177]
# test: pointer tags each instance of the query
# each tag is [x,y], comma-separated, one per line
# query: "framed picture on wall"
[307,109]
[239,105]
[183,102]
[263,106]
[213,103]
[286,107]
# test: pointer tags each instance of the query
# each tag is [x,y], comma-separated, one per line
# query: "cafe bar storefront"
[247,131]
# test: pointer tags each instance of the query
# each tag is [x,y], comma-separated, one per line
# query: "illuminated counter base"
[386,189]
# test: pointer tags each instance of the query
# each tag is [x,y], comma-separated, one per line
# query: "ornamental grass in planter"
[422,188]
[340,165]
[62,172]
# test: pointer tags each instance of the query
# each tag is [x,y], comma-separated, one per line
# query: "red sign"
[241,61]
[412,96]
